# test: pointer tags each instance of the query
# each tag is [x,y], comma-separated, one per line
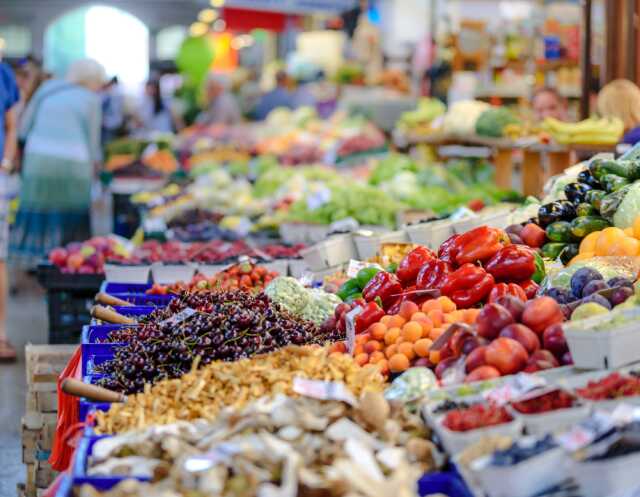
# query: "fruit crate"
[111,287]
[91,333]
[86,406]
[51,278]
[449,483]
[90,361]
[134,311]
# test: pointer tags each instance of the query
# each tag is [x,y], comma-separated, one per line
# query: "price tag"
[151,149]
[355,266]
[179,318]
[515,388]
[350,322]
[586,432]
[323,390]
[318,198]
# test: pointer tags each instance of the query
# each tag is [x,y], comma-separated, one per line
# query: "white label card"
[350,322]
[180,317]
[355,266]
[323,390]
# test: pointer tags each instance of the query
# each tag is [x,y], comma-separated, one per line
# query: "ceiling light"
[198,29]
[219,25]
[207,16]
[217,3]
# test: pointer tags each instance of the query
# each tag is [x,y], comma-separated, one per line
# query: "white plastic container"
[126,274]
[292,233]
[595,345]
[609,477]
[280,266]
[440,231]
[297,267]
[553,421]
[498,219]
[210,270]
[526,478]
[336,250]
[455,442]
[467,224]
[420,234]
[581,381]
[172,273]
[369,246]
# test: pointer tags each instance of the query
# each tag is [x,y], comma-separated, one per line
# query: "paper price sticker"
[355,266]
[586,432]
[323,390]
[515,388]
[179,318]
[350,322]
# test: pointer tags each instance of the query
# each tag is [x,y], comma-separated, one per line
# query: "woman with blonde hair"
[61,126]
[621,99]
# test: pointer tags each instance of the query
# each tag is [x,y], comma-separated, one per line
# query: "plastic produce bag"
[411,385]
[608,267]
[611,203]
[629,207]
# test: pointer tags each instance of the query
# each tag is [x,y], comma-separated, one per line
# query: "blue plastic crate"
[86,406]
[65,489]
[111,287]
[91,333]
[145,299]
[80,464]
[134,311]
[91,360]
[449,483]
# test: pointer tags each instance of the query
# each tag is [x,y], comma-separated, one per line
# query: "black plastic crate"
[51,278]
[69,311]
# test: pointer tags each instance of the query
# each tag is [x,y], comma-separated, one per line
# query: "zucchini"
[586,209]
[568,252]
[552,250]
[583,225]
[594,197]
[560,231]
[622,168]
[613,182]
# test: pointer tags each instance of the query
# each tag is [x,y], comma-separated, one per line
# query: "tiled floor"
[27,322]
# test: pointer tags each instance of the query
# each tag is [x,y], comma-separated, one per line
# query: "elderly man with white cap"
[222,107]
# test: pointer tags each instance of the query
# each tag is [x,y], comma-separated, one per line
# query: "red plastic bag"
[68,413]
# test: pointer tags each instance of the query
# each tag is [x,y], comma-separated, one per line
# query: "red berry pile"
[613,386]
[476,416]
[552,401]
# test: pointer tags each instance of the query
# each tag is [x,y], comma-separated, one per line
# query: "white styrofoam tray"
[297,267]
[581,380]
[171,273]
[126,274]
[608,477]
[553,421]
[369,246]
[337,249]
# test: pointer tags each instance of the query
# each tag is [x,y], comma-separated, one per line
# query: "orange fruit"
[383,364]
[376,356]
[358,349]
[398,363]
[470,315]
[422,346]
[338,347]
[431,305]
[627,246]
[372,346]
[435,333]
[588,243]
[377,331]
[582,256]
[417,316]
[447,304]
[636,227]
[608,239]
[412,331]
[427,326]
[362,338]
[396,321]
[628,231]
[391,335]
[436,316]
[408,309]
[385,320]
[406,348]
[362,359]
[390,350]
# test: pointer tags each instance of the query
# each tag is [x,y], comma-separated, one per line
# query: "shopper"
[280,96]
[621,99]
[29,76]
[221,107]
[9,97]
[547,102]
[62,131]
[154,114]
[112,111]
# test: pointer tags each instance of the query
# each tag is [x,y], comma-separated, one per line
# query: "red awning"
[246,20]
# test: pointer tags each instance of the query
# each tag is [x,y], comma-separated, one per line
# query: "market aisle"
[27,322]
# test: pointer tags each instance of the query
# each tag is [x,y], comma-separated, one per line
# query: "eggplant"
[568,252]
[587,178]
[577,192]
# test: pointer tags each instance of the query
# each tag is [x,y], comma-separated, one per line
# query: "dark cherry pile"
[227,326]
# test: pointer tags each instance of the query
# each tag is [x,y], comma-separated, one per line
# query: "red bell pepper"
[410,265]
[530,287]
[371,313]
[449,249]
[502,289]
[512,263]
[468,285]
[433,274]
[384,285]
[479,244]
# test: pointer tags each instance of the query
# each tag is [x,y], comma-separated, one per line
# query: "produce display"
[547,402]
[313,305]
[613,386]
[592,131]
[202,393]
[87,257]
[476,416]
[285,443]
[244,275]
[198,329]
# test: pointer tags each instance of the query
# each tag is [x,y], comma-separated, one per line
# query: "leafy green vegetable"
[492,121]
